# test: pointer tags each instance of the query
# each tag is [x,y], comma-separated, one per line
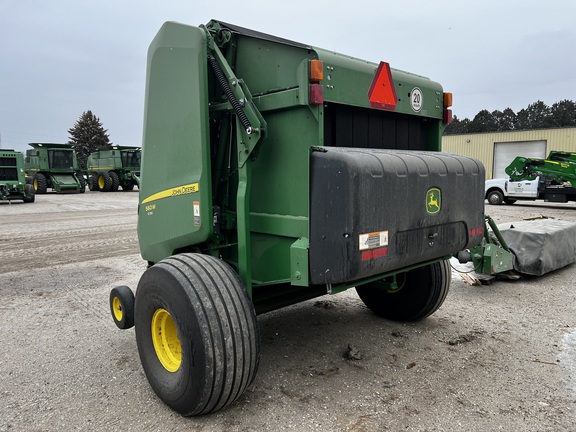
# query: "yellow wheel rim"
[117,309]
[101,182]
[35,184]
[165,339]
[400,283]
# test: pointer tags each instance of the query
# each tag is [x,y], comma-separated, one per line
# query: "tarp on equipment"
[542,245]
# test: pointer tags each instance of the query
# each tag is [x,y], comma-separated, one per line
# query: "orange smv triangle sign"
[382,93]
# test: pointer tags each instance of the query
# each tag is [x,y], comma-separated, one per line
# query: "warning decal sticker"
[373,240]
[196,205]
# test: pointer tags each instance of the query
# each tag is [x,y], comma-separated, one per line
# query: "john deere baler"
[274,172]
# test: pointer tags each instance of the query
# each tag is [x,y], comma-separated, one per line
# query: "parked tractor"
[13,184]
[53,166]
[274,172]
[113,167]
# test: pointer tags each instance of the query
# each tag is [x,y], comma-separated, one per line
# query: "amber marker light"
[316,71]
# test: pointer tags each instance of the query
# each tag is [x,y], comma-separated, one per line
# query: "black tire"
[122,307]
[94,182]
[40,183]
[509,201]
[115,181]
[215,357]
[82,182]
[128,186]
[29,193]
[420,293]
[104,182]
[495,197]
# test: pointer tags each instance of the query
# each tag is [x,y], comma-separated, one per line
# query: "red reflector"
[382,93]
[447,116]
[476,231]
[316,94]
[374,253]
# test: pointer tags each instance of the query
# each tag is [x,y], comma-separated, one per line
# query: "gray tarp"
[542,245]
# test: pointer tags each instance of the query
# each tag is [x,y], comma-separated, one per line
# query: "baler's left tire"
[122,307]
[420,293]
[196,332]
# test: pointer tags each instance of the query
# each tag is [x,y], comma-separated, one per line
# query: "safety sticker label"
[373,240]
[196,213]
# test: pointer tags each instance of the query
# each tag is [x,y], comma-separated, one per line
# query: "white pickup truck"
[503,190]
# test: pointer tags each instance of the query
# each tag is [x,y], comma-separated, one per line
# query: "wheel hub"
[166,341]
[117,309]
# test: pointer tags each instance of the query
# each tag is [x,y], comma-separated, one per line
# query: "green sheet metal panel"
[345,75]
[175,196]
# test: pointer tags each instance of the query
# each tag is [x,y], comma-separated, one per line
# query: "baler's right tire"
[104,182]
[196,332]
[495,197]
[115,181]
[420,293]
[40,183]
[128,187]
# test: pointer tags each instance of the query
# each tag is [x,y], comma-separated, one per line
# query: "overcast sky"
[59,58]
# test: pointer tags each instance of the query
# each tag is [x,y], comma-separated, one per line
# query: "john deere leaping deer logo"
[433,201]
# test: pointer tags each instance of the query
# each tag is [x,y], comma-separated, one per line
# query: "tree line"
[537,115]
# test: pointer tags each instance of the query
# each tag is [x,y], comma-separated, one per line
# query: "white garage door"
[505,152]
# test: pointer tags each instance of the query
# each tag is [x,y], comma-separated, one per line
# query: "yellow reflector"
[447,100]
[316,70]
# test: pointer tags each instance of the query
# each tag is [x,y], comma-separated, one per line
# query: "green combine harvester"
[274,172]
[53,166]
[114,167]
[13,184]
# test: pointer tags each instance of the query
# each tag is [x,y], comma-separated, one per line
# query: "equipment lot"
[497,357]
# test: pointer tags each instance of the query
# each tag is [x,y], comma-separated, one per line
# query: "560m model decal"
[177,191]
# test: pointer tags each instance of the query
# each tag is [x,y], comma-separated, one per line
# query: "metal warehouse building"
[497,149]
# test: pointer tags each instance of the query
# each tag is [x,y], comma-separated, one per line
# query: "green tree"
[484,121]
[87,136]
[538,115]
[505,120]
[564,113]
[457,127]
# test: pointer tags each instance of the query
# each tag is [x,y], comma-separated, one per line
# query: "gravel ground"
[494,357]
